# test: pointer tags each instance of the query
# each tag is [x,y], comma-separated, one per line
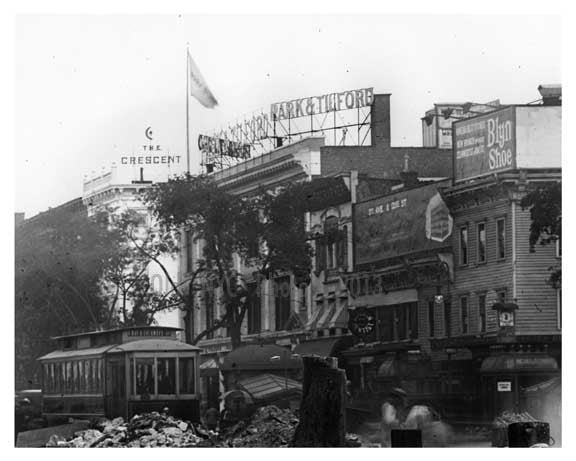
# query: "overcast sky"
[88,86]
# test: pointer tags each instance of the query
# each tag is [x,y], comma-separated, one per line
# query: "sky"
[87,86]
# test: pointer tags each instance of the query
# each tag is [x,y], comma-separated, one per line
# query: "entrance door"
[116,387]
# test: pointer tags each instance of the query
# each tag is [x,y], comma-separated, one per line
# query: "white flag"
[198,87]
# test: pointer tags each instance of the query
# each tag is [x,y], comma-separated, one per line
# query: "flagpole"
[187,109]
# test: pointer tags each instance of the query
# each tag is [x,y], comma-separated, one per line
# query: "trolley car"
[121,372]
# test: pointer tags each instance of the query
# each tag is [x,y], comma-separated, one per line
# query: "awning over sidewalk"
[508,363]
[327,347]
[268,386]
[209,367]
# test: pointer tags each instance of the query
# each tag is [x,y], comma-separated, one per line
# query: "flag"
[198,87]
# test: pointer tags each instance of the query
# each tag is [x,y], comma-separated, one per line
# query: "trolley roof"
[115,330]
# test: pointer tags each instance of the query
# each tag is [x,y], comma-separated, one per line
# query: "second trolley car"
[121,372]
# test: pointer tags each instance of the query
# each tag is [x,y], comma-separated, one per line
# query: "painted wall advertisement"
[401,223]
[485,144]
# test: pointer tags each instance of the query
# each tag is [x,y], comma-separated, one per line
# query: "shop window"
[464,245]
[501,238]
[464,314]
[397,323]
[482,312]
[481,242]
[254,309]
[186,372]
[282,291]
[431,318]
[166,373]
[144,384]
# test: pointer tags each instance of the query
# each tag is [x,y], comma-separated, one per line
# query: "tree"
[60,258]
[126,280]
[266,230]
[545,204]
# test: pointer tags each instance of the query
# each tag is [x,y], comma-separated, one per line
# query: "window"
[464,314]
[397,323]
[186,371]
[320,253]
[481,234]
[144,383]
[431,318]
[447,319]
[464,245]
[482,312]
[209,301]
[558,244]
[501,296]
[331,235]
[166,372]
[189,250]
[559,307]
[500,238]
[254,309]
[282,302]
[342,248]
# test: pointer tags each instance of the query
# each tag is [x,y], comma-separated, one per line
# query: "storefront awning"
[269,386]
[388,299]
[507,363]
[328,347]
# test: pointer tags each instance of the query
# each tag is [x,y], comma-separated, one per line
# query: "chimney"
[551,94]
[409,178]
[380,120]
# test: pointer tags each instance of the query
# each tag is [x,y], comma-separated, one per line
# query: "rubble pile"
[147,430]
[509,417]
[269,426]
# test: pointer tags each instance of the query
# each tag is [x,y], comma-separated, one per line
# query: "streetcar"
[121,372]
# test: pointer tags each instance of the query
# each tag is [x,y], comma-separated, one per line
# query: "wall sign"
[504,386]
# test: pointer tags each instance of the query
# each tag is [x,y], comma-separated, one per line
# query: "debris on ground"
[269,426]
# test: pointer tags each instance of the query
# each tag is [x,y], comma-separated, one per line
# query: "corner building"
[500,334]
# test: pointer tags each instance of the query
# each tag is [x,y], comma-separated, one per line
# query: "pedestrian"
[393,414]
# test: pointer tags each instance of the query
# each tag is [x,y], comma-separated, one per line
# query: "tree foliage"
[545,205]
[126,280]
[60,258]
[266,230]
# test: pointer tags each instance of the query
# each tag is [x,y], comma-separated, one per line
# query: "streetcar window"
[88,376]
[81,380]
[75,383]
[145,376]
[166,375]
[186,365]
[68,377]
[100,376]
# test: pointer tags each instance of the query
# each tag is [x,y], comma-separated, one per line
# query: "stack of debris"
[269,426]
[148,430]
[500,426]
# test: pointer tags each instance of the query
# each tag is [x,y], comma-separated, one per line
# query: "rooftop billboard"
[515,137]
[401,223]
